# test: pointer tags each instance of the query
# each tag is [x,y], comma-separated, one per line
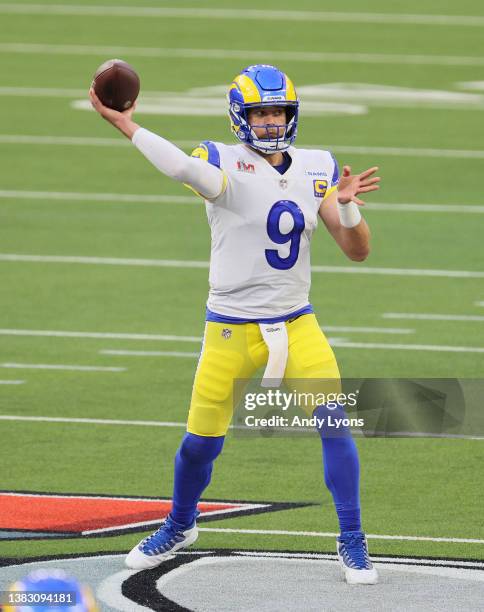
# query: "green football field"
[101,253]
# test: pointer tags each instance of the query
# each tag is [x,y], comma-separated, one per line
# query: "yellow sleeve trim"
[224,183]
[194,190]
[330,191]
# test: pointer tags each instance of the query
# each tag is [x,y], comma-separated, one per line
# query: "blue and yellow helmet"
[48,590]
[263,85]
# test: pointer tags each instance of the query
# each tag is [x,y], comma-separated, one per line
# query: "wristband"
[349,214]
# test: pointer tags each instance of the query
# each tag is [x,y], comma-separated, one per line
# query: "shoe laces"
[165,537]
[354,545]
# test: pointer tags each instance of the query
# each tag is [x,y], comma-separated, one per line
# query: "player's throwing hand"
[121,120]
[111,115]
[350,185]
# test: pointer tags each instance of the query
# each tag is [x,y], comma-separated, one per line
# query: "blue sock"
[193,469]
[341,469]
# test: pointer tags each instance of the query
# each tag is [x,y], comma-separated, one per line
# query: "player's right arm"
[206,179]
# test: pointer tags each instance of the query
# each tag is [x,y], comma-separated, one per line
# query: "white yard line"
[248,14]
[182,263]
[315,98]
[179,424]
[398,271]
[79,196]
[96,197]
[479,303]
[335,342]
[77,141]
[367,330]
[409,347]
[150,353]
[182,354]
[27,139]
[111,261]
[431,316]
[404,151]
[46,419]
[449,208]
[12,382]
[98,335]
[241,54]
[323,534]
[170,337]
[50,366]
[42,92]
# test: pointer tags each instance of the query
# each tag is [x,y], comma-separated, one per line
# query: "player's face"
[271,117]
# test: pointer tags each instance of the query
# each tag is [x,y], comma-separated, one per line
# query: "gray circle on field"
[270,582]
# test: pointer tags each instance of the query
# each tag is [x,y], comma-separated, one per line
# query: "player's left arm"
[341,215]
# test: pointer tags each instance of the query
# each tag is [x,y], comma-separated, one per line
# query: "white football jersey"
[261,227]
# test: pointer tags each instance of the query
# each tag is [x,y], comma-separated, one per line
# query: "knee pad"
[200,449]
[334,422]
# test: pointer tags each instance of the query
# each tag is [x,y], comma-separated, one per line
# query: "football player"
[263,197]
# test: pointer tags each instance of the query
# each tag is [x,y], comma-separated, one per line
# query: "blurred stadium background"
[103,259]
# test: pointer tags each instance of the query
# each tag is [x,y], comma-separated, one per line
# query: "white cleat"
[161,544]
[352,550]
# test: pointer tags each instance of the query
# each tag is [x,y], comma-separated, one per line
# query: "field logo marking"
[34,515]
[316,100]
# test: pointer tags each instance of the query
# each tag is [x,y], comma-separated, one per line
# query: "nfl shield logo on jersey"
[226,333]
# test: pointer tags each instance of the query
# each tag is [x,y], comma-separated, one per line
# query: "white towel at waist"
[275,337]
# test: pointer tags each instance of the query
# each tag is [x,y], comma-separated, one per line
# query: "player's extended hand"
[113,116]
[350,185]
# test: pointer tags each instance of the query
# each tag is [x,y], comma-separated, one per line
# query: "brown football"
[116,84]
